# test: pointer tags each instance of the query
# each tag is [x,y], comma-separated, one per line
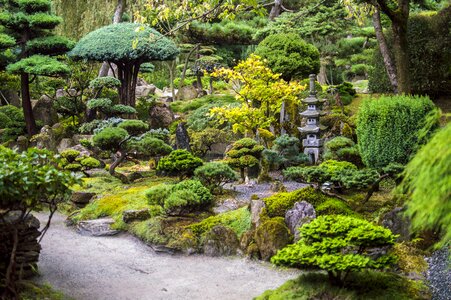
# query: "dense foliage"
[288,54]
[339,245]
[285,152]
[427,182]
[214,175]
[387,128]
[244,154]
[179,163]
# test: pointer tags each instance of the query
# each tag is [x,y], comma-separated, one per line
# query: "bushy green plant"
[342,148]
[387,128]
[427,183]
[133,127]
[90,163]
[110,138]
[183,197]
[214,175]
[245,153]
[339,245]
[202,141]
[285,152]
[288,54]
[70,154]
[156,195]
[12,122]
[179,163]
[74,167]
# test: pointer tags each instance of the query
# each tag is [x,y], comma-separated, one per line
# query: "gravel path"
[439,275]
[122,267]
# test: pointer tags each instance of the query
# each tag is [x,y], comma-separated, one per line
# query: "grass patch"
[190,105]
[363,285]
[238,220]
[31,291]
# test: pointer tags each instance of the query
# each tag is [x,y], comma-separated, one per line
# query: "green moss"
[150,231]
[29,291]
[335,207]
[279,203]
[364,285]
[239,220]
[116,198]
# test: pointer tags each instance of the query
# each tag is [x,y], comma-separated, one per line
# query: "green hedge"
[387,128]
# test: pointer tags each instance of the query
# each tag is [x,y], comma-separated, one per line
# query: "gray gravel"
[439,275]
[122,267]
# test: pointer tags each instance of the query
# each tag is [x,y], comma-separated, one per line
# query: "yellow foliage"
[261,94]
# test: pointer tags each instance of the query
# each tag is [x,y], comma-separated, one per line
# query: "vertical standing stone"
[311,131]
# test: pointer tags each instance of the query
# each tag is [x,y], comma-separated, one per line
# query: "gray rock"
[65,144]
[99,227]
[220,241]
[256,209]
[97,172]
[78,137]
[11,96]
[46,139]
[188,92]
[277,187]
[143,91]
[160,115]
[397,223]
[83,150]
[182,138]
[225,206]
[301,213]
[81,199]
[44,111]
[135,215]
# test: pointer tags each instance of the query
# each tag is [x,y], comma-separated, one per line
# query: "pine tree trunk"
[26,105]
[383,47]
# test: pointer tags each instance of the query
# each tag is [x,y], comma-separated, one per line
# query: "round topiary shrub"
[134,127]
[90,163]
[156,195]
[288,54]
[110,138]
[70,155]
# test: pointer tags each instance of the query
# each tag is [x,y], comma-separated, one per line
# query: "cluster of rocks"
[28,248]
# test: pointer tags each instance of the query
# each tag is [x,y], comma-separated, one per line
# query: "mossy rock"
[186,242]
[272,236]
[220,241]
[246,239]
[278,204]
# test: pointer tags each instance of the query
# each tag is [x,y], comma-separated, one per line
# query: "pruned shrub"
[179,163]
[339,245]
[214,175]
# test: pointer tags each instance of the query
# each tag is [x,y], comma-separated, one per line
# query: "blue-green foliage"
[125,42]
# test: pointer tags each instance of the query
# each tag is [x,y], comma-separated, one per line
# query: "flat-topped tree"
[29,23]
[128,45]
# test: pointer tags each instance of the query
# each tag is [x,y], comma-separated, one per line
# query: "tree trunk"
[117,17]
[275,10]
[128,76]
[26,105]
[185,67]
[401,48]
[383,47]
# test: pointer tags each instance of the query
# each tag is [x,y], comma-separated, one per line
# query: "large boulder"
[10,97]
[78,137]
[46,139]
[397,223]
[272,236]
[65,144]
[301,213]
[143,91]
[257,207]
[220,241]
[44,111]
[188,92]
[160,115]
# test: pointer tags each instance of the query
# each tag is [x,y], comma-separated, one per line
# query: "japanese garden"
[213,149]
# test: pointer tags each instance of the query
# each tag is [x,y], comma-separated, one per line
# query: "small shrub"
[90,163]
[134,127]
[156,195]
[70,155]
[244,153]
[86,143]
[335,207]
[179,162]
[73,167]
[110,138]
[214,175]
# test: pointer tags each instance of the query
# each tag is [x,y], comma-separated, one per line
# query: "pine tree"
[30,23]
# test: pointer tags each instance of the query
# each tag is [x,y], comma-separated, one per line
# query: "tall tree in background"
[30,23]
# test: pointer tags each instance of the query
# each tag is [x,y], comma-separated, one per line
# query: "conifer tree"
[30,24]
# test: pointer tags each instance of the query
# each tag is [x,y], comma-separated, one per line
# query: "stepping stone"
[98,227]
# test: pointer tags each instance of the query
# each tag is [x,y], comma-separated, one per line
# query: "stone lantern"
[311,131]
